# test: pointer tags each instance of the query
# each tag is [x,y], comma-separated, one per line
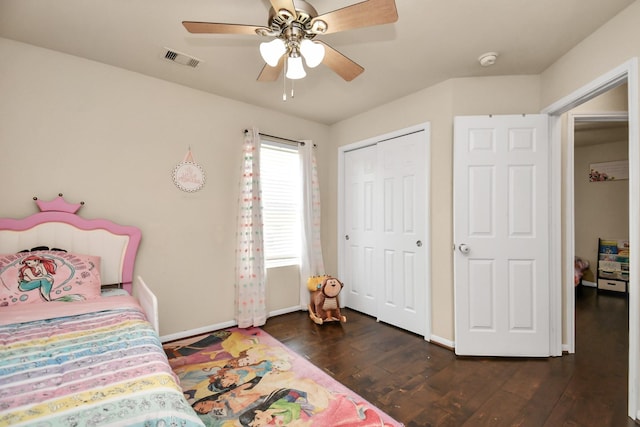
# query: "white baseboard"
[197,331]
[443,342]
[589,284]
[287,310]
[223,325]
[231,323]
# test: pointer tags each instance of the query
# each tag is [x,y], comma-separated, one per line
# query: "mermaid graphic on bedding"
[33,276]
[37,273]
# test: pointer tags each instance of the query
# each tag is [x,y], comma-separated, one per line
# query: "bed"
[79,341]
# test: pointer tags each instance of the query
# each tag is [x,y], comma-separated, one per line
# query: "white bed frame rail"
[148,301]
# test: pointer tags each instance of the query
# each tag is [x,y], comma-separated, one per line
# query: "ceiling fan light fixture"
[295,69]
[313,52]
[293,21]
[272,51]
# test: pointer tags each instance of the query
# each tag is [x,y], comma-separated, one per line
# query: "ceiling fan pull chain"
[293,83]
[284,83]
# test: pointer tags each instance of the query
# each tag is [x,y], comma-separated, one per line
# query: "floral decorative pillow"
[43,276]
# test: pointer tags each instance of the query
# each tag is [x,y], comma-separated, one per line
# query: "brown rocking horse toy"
[324,305]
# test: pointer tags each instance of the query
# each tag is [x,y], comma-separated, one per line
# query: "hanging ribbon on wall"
[188,175]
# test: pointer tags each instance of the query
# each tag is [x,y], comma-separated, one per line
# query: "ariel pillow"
[43,276]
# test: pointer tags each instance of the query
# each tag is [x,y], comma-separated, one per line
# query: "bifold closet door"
[386,243]
[360,225]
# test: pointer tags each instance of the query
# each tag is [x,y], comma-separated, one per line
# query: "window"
[280,179]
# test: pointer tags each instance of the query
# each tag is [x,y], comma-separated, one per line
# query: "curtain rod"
[287,140]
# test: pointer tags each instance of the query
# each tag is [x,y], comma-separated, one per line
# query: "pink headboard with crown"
[58,226]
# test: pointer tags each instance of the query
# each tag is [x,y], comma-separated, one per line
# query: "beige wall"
[605,50]
[111,138]
[437,105]
[610,46]
[601,208]
[613,44]
[590,221]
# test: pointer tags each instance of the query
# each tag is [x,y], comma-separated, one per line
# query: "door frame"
[626,72]
[423,127]
[569,345]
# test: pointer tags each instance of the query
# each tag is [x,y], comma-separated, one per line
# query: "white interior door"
[385,246]
[501,235]
[402,240]
[360,218]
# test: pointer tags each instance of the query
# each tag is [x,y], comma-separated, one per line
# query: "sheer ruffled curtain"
[311,263]
[251,309]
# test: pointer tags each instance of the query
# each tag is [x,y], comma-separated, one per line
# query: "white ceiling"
[432,41]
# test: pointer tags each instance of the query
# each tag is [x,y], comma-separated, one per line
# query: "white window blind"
[280,179]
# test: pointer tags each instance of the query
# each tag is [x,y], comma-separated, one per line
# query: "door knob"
[419,243]
[464,248]
[346,237]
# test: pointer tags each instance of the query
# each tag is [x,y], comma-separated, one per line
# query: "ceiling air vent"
[181,58]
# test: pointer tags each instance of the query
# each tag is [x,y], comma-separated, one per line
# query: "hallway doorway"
[562,248]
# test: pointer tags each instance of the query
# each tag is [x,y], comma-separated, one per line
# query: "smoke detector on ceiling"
[488,59]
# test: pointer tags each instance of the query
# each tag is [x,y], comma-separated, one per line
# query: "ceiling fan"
[294,24]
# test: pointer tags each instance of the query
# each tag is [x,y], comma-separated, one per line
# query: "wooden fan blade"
[340,64]
[363,14]
[284,4]
[218,28]
[271,74]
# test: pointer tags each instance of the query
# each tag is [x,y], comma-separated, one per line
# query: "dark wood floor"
[421,384]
